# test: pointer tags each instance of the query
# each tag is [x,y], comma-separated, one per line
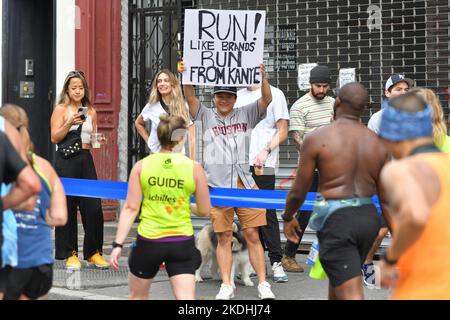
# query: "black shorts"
[180,257]
[4,272]
[32,282]
[345,241]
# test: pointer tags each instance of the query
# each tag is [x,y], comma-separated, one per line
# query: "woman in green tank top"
[164,183]
[440,137]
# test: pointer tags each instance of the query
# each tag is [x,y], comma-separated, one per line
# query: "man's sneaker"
[291,265]
[264,291]
[98,261]
[226,292]
[278,273]
[73,263]
[368,271]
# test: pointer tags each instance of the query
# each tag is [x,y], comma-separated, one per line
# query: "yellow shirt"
[167,182]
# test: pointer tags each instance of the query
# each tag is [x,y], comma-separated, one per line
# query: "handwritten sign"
[304,71]
[346,75]
[287,49]
[223,47]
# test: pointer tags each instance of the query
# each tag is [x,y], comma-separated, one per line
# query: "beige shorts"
[222,217]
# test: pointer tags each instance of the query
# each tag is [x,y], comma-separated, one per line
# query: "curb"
[66,294]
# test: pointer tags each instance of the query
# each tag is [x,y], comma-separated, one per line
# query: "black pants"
[291,248]
[270,233]
[66,237]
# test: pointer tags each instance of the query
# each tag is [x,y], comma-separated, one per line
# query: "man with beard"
[308,113]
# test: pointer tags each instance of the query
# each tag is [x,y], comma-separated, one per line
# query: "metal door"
[153,45]
[28,64]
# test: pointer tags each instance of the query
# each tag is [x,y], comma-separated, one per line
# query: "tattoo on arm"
[298,139]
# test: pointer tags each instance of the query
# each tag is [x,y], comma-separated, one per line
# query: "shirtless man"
[349,158]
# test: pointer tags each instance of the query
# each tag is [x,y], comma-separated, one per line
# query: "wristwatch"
[387,260]
[117,245]
[286,218]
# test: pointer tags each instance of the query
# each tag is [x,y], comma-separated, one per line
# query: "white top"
[375,121]
[267,127]
[152,113]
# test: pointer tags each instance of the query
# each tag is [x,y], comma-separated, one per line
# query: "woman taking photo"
[75,113]
[167,98]
[165,181]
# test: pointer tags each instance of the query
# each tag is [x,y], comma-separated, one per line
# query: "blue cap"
[398,125]
[396,78]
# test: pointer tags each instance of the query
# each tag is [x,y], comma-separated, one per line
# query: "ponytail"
[170,128]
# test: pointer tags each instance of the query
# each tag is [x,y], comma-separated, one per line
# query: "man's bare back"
[349,158]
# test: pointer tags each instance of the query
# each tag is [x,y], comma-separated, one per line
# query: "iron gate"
[154,41]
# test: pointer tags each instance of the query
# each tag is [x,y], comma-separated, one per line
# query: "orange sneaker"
[73,263]
[98,261]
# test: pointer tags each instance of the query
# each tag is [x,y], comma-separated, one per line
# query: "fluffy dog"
[207,244]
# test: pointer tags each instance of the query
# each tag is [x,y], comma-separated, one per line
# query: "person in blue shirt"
[33,276]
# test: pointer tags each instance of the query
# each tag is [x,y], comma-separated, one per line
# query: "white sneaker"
[278,273]
[264,291]
[226,292]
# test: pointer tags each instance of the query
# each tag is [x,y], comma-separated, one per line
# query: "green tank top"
[167,182]
[445,146]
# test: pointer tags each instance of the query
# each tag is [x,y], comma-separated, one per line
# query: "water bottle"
[313,253]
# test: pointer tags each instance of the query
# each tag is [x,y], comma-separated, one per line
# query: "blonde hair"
[64,96]
[177,106]
[439,125]
[19,119]
[168,129]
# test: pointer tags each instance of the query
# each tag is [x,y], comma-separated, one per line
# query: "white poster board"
[346,75]
[223,47]
[304,71]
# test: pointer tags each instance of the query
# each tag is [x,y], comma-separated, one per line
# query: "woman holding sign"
[166,97]
[225,160]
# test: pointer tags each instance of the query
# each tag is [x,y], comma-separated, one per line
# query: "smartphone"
[83,111]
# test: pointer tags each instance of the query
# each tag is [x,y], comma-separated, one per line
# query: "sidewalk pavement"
[93,284]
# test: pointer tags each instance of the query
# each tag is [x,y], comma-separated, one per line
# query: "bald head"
[354,96]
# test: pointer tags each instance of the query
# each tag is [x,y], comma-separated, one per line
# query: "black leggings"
[66,237]
[303,217]
[270,233]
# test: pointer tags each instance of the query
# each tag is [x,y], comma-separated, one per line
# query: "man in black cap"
[308,113]
[225,157]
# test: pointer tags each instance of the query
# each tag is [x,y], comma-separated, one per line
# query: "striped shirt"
[309,113]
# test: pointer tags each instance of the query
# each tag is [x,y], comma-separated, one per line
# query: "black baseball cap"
[218,89]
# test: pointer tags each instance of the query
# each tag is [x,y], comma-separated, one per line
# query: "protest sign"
[223,47]
[346,75]
[304,71]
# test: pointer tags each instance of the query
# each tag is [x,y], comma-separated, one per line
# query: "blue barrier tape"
[221,197]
